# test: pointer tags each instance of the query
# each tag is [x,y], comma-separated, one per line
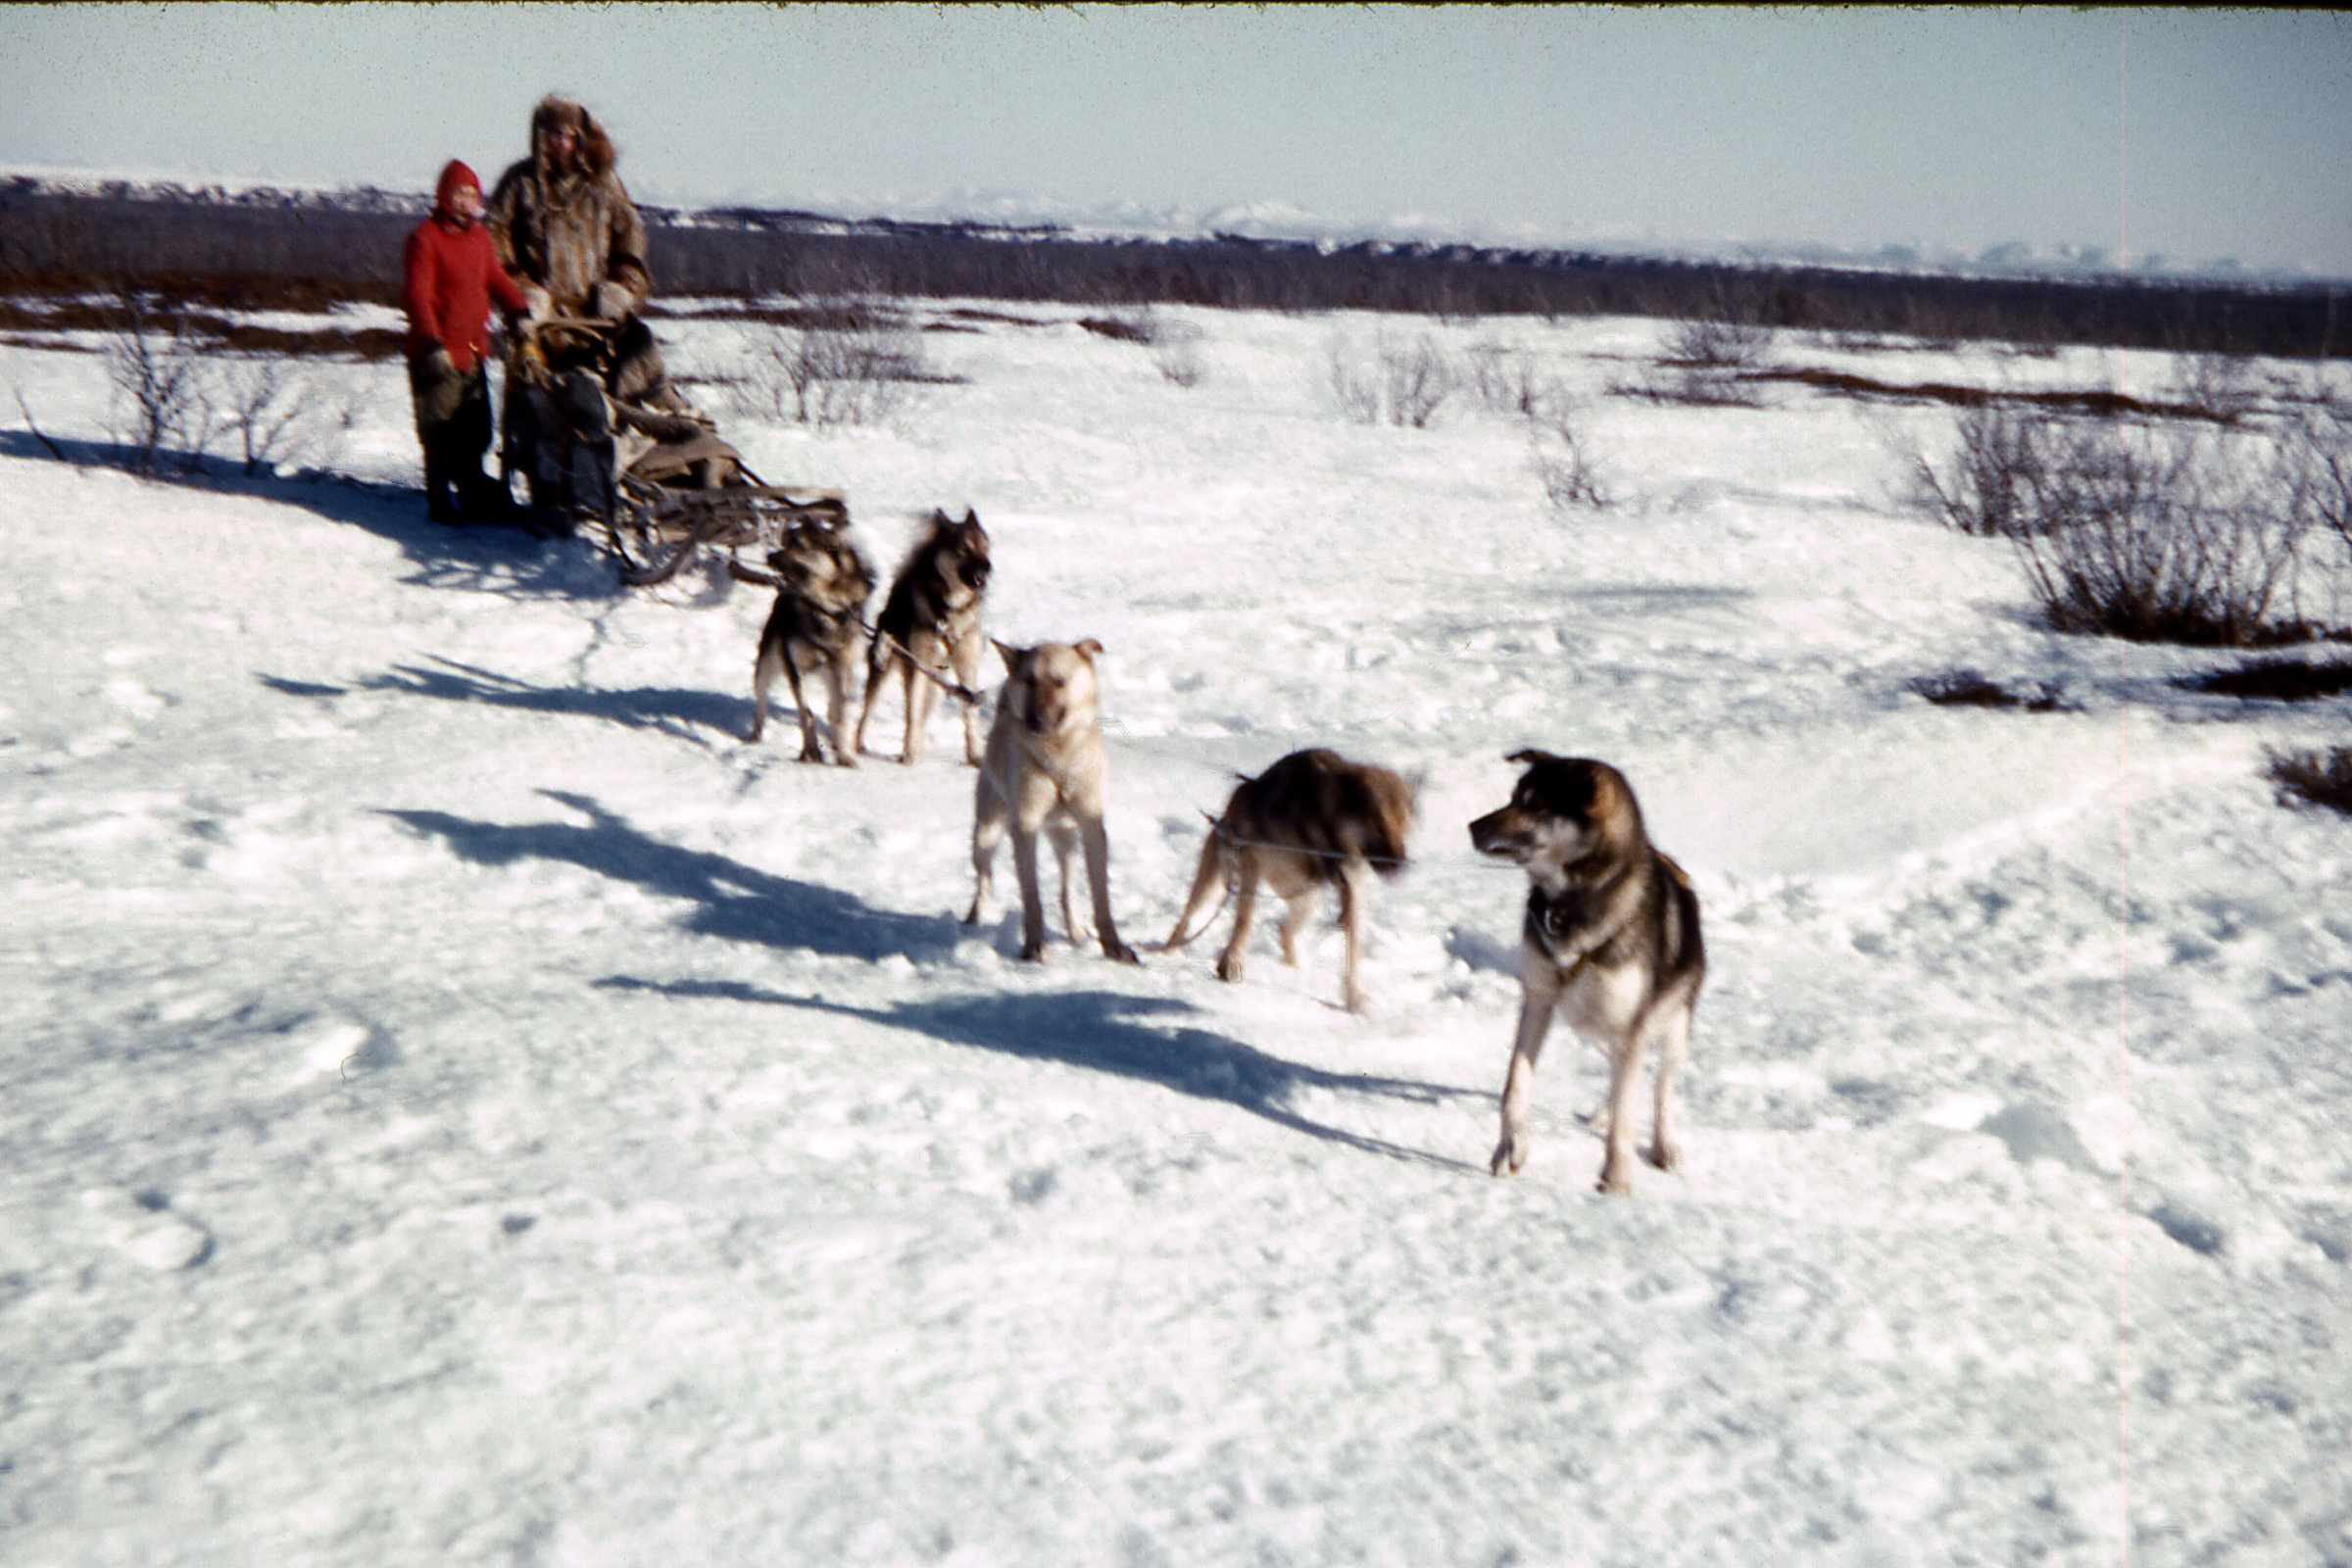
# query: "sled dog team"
[1610,941]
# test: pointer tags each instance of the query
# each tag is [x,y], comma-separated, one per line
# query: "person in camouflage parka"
[563,224]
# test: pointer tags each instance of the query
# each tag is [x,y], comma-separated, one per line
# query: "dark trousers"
[453,425]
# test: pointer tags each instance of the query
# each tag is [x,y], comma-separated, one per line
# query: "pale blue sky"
[2198,135]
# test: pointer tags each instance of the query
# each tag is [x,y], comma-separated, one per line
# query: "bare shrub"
[2004,475]
[276,416]
[1417,380]
[845,363]
[1351,384]
[1563,457]
[2155,534]
[1502,379]
[1176,353]
[2313,777]
[2222,387]
[1727,332]
[1700,386]
[1403,384]
[2315,462]
[1715,343]
[161,403]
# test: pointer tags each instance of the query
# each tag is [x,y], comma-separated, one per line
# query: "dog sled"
[644,474]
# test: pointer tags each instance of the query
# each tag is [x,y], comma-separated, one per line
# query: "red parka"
[450,274]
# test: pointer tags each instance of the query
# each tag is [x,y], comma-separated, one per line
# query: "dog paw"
[1229,968]
[1120,953]
[1510,1156]
[1032,952]
[1355,999]
[1615,1180]
[1664,1155]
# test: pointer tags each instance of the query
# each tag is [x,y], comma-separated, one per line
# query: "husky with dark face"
[1046,770]
[931,624]
[818,625]
[1610,942]
[1311,821]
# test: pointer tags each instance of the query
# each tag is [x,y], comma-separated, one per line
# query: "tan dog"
[1044,768]
[1610,942]
[931,622]
[817,624]
[1311,821]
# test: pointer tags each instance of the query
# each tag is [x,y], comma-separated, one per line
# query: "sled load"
[630,459]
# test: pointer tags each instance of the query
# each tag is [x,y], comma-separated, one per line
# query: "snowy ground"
[461,1105]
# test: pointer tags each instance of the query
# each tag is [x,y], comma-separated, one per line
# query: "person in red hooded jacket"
[449,278]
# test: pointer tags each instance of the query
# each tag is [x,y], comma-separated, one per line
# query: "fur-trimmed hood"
[596,151]
[570,233]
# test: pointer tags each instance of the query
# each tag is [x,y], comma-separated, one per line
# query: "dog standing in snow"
[1610,942]
[1311,821]
[1044,768]
[931,622]
[823,584]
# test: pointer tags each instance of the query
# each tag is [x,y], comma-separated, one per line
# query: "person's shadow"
[477,559]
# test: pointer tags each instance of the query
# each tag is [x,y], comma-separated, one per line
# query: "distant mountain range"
[1273,224]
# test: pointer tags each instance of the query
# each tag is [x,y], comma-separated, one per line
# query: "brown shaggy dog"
[1311,821]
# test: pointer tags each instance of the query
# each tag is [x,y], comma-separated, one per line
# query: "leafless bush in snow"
[1176,353]
[851,364]
[162,402]
[2159,533]
[1403,384]
[1563,457]
[276,416]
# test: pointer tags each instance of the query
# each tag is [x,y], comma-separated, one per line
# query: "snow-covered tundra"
[459,1103]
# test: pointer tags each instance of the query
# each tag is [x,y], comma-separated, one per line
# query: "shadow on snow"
[735,903]
[504,561]
[1127,1036]
[670,709]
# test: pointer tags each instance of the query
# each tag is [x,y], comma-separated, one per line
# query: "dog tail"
[1214,854]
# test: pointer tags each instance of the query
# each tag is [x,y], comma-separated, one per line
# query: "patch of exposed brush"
[1124,326]
[2312,778]
[1969,688]
[2278,680]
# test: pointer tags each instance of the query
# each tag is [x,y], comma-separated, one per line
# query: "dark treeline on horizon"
[62,241]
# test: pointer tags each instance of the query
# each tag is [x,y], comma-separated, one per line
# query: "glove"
[611,302]
[534,303]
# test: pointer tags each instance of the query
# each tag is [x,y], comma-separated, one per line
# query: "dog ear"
[971,518]
[1090,648]
[1531,754]
[1010,654]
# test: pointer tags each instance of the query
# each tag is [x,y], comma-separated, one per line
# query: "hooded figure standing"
[564,224]
[449,278]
